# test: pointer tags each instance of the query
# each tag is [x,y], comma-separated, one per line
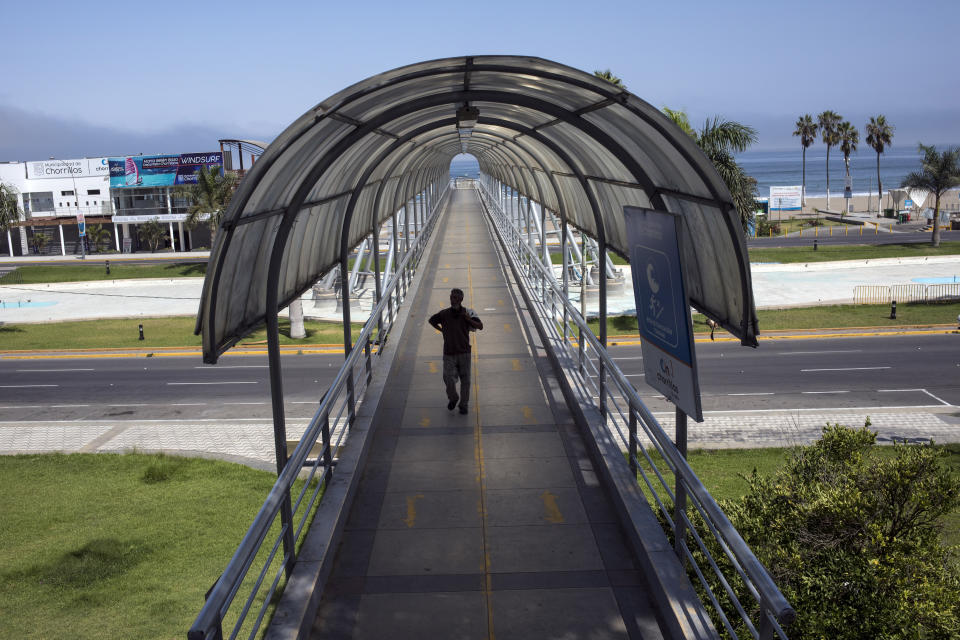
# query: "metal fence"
[736,589]
[884,294]
[256,574]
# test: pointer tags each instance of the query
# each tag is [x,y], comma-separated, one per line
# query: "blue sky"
[116,78]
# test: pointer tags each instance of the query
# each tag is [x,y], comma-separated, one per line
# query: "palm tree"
[97,236]
[939,171]
[151,233]
[720,139]
[40,241]
[209,198]
[807,132]
[607,75]
[9,207]
[879,136]
[849,138]
[828,122]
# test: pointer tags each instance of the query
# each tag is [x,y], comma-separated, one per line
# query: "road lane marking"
[816,392]
[848,369]
[232,366]
[67,406]
[936,398]
[816,353]
[26,386]
[50,370]
[759,393]
[132,405]
[189,404]
[808,410]
[229,382]
[232,403]
[24,406]
[896,390]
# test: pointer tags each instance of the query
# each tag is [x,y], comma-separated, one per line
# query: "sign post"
[666,328]
[82,227]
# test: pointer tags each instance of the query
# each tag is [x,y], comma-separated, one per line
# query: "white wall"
[55,176]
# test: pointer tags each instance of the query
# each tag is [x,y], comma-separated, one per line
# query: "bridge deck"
[491,524]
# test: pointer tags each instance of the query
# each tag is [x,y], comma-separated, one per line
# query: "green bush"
[853,539]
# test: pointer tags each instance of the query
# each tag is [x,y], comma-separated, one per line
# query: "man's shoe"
[463,410]
[451,405]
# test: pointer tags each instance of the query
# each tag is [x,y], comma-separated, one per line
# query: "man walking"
[455,323]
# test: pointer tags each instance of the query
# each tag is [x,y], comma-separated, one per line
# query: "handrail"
[760,585]
[209,621]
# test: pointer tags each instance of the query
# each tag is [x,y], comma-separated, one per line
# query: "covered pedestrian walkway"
[492,524]
[393,516]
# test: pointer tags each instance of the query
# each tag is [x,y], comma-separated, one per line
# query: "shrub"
[852,538]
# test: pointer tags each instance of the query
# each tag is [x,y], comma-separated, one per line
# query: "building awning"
[563,137]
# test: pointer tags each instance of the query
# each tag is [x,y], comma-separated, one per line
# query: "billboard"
[78,168]
[162,171]
[785,198]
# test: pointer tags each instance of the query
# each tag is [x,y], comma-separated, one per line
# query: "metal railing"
[883,294]
[261,550]
[727,573]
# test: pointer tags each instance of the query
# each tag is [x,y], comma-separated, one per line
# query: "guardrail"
[883,294]
[720,565]
[261,550]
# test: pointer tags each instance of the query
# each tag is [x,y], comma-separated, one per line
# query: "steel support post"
[406,243]
[280,433]
[377,291]
[347,336]
[566,276]
[395,261]
[680,491]
[583,296]
[327,450]
[602,250]
[632,445]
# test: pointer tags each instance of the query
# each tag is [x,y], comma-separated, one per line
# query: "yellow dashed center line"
[481,472]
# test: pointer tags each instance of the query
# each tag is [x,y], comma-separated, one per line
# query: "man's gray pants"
[454,367]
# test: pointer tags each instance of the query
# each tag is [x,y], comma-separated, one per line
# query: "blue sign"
[663,311]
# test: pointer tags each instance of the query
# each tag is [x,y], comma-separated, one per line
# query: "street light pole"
[76,204]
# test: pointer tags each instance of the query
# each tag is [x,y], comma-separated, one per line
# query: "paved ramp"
[486,525]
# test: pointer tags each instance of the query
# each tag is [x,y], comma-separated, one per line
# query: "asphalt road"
[874,372]
[885,372]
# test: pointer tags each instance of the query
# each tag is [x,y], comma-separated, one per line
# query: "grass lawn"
[117,546]
[157,332]
[35,274]
[829,253]
[722,471]
[826,317]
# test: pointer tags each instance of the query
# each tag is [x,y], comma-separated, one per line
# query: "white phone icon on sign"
[654,285]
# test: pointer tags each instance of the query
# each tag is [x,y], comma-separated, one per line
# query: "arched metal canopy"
[561,136]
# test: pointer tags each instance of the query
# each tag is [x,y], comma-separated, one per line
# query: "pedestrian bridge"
[558,506]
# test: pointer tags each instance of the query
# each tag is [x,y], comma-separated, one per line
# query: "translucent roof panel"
[555,134]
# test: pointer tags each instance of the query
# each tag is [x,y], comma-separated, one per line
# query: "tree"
[9,206]
[209,198]
[849,138]
[852,538]
[39,241]
[939,172]
[879,136]
[807,132]
[152,234]
[720,139]
[97,236]
[607,75]
[828,122]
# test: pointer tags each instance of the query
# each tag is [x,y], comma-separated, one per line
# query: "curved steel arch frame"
[349,132]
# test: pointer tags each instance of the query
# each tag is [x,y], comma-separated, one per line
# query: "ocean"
[784,169]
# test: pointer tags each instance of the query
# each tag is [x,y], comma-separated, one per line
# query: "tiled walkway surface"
[490,524]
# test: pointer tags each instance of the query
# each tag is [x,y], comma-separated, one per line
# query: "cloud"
[28,136]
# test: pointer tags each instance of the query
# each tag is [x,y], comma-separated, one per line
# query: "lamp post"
[76,204]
